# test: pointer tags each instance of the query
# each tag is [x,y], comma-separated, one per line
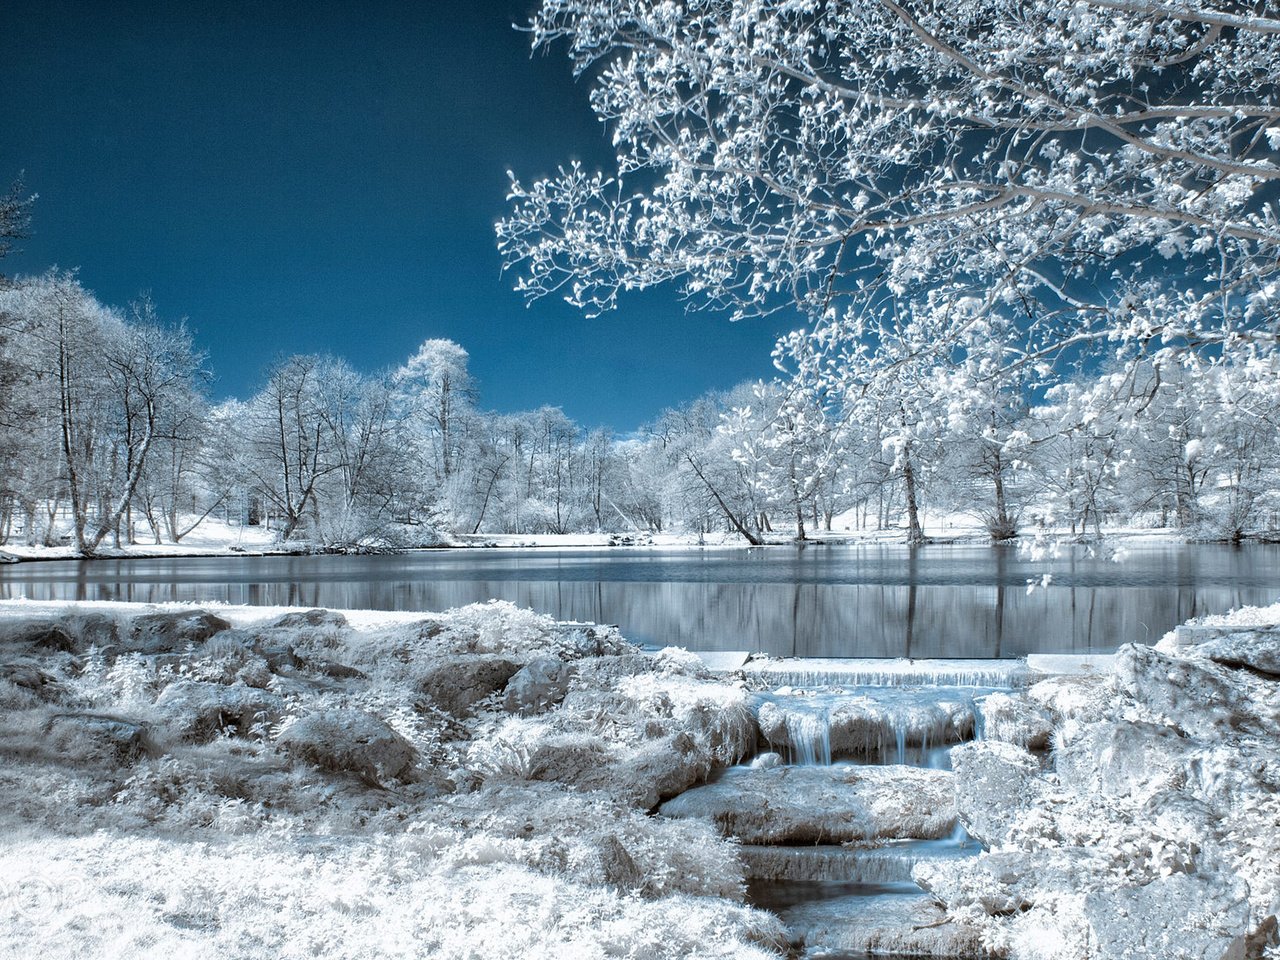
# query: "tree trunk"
[738,525]
[915,535]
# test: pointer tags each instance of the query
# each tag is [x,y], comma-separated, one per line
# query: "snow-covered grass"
[129,833]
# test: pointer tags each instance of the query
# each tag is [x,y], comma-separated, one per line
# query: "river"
[814,601]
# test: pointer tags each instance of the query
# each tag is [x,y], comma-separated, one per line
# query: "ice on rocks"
[832,804]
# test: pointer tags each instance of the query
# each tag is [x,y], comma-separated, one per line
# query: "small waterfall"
[772,674]
[904,725]
[887,864]
[809,735]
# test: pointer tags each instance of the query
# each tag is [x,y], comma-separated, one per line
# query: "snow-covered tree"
[1101,174]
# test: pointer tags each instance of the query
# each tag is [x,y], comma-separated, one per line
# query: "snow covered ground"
[250,782]
[213,537]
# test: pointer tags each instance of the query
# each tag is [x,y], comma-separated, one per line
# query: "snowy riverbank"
[217,539]
[259,782]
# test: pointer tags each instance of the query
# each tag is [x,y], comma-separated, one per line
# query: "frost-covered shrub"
[718,715]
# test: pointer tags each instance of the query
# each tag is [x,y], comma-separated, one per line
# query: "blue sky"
[325,177]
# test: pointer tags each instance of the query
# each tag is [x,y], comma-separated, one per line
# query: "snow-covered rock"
[349,741]
[893,925]
[171,631]
[458,683]
[198,711]
[823,804]
[994,784]
[1016,719]
[539,684]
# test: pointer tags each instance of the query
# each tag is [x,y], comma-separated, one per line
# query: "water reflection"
[958,601]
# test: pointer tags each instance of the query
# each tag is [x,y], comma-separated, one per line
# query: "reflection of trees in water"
[923,603]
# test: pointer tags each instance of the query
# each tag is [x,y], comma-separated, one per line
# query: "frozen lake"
[827,601]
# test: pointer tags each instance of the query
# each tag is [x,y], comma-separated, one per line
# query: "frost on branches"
[1087,181]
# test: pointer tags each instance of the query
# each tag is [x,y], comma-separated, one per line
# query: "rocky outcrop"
[1151,830]
[833,804]
[349,741]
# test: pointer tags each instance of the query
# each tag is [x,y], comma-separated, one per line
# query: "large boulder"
[824,804]
[654,771]
[1123,758]
[1199,697]
[42,636]
[1253,649]
[994,784]
[1010,880]
[537,686]
[1179,917]
[309,619]
[198,711]
[104,735]
[27,675]
[350,741]
[154,633]
[458,683]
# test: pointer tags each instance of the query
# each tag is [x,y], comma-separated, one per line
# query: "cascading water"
[886,714]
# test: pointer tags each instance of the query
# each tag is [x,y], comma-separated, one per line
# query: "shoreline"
[1130,537]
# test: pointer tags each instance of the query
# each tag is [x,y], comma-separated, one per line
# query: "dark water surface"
[816,601]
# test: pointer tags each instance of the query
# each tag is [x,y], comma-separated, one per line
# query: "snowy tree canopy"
[1099,173]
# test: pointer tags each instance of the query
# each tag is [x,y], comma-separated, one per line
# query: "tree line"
[109,437]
